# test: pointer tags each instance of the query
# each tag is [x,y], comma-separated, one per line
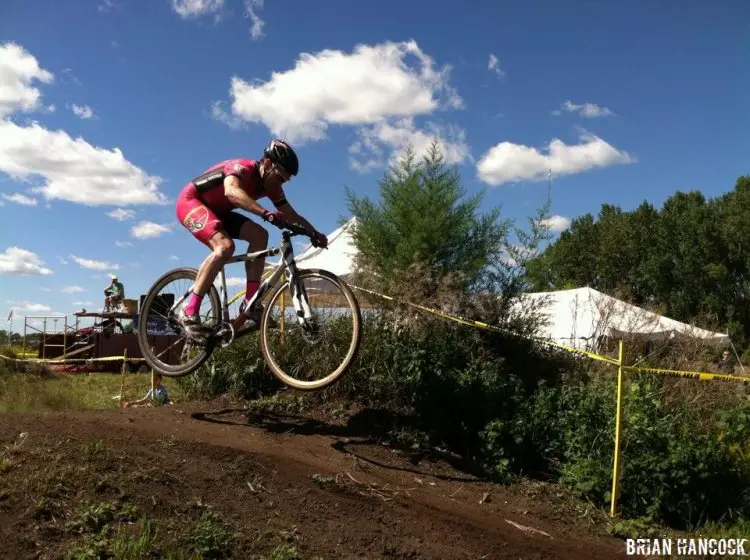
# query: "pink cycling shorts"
[202,221]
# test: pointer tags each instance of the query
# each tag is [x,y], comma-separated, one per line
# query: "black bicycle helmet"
[281,153]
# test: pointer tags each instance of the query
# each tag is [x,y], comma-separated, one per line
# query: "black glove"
[319,240]
[276,218]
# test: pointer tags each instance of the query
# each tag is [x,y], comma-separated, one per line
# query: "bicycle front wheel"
[163,344]
[311,354]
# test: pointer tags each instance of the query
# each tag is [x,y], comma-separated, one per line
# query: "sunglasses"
[276,169]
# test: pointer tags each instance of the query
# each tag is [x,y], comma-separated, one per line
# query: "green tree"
[425,241]
[690,260]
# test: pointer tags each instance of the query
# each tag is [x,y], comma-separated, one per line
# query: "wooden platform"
[111,314]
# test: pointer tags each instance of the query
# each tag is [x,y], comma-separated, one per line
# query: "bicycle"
[221,333]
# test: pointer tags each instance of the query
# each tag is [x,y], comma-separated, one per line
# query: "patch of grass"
[92,518]
[92,449]
[126,547]
[738,528]
[319,480]
[285,551]
[211,537]
[22,392]
[91,547]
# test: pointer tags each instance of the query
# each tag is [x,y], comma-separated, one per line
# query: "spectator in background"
[726,364]
[160,395]
[114,294]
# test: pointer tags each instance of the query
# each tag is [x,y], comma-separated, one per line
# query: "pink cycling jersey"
[204,208]
[210,184]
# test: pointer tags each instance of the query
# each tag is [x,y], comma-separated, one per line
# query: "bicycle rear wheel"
[306,352]
[166,345]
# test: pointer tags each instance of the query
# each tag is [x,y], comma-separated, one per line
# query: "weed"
[211,537]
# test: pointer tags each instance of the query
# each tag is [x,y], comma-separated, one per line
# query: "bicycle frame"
[288,264]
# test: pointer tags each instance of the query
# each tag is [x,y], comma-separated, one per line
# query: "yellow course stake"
[122,382]
[283,312]
[618,416]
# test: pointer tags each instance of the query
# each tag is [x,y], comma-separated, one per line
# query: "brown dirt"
[274,479]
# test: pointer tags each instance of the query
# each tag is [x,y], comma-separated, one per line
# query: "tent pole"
[736,355]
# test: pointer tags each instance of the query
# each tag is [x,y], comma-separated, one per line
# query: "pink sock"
[193,304]
[252,287]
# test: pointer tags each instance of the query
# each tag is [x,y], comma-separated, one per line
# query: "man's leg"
[205,226]
[222,248]
[241,227]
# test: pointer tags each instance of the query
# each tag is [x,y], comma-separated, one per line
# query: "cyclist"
[206,207]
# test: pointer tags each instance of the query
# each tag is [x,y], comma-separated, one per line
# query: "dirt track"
[331,492]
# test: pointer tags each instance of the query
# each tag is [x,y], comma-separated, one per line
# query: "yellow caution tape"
[704,376]
[72,360]
[485,326]
[692,374]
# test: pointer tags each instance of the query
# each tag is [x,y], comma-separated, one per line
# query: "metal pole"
[618,425]
[44,338]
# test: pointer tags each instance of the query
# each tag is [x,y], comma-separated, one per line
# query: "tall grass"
[29,387]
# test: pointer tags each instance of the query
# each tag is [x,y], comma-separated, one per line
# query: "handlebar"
[294,229]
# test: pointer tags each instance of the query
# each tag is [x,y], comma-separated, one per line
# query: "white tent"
[338,258]
[579,317]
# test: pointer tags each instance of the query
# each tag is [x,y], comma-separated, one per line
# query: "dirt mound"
[220,481]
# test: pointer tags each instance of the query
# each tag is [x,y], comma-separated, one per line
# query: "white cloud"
[18,69]
[335,87]
[72,289]
[196,8]
[106,5]
[45,289]
[507,162]
[251,9]
[123,244]
[22,262]
[174,258]
[62,260]
[19,198]
[494,65]
[83,111]
[29,306]
[68,72]
[87,302]
[368,151]
[588,110]
[236,281]
[557,223]
[74,170]
[145,230]
[220,114]
[95,265]
[121,214]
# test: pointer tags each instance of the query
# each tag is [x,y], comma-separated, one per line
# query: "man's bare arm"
[291,215]
[240,198]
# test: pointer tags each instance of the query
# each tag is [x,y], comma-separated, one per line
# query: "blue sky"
[108,107]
